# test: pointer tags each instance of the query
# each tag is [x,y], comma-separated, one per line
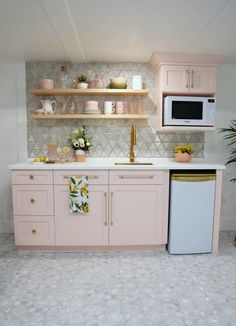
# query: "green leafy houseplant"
[230,136]
[81,79]
[186,148]
[78,140]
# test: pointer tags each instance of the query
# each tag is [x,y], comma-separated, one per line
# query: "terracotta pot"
[79,156]
[183,157]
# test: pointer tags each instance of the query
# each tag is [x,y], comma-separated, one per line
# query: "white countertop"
[108,164]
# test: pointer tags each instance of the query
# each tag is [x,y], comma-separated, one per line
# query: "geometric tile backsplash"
[110,138]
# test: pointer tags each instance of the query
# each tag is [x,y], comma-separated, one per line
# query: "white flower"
[87,144]
[76,144]
[81,141]
[82,145]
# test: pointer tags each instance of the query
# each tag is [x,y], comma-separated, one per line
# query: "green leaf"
[72,180]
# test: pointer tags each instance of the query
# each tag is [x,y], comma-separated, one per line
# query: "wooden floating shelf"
[89,91]
[88,116]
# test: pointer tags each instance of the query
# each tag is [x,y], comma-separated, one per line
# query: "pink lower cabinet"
[89,229]
[34,231]
[33,207]
[136,214]
[33,199]
[138,207]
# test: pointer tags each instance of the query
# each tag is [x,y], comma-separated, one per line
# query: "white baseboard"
[228,224]
[6,227]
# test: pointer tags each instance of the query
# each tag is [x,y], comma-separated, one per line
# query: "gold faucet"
[132,143]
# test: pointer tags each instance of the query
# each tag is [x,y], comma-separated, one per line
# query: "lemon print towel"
[79,194]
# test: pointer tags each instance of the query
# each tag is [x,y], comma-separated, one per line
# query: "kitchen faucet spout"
[132,143]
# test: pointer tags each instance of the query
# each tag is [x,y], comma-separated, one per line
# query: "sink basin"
[133,163]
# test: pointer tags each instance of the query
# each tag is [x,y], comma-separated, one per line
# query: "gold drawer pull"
[89,177]
[33,231]
[31,177]
[111,209]
[105,195]
[192,72]
[187,78]
[32,200]
[136,177]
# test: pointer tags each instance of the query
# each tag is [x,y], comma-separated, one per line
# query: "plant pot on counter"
[183,157]
[79,155]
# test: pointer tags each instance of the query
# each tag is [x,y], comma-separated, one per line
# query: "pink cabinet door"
[137,215]
[37,230]
[174,79]
[87,229]
[202,79]
[32,200]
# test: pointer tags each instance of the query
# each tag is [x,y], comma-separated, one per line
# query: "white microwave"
[189,111]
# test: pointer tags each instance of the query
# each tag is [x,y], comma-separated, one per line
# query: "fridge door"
[192,200]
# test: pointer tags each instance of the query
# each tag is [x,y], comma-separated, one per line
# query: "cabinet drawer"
[33,200]
[38,230]
[94,176]
[31,177]
[136,177]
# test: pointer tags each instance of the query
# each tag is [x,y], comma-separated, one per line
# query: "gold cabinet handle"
[187,78]
[106,220]
[31,177]
[33,231]
[32,200]
[192,72]
[136,176]
[89,177]
[111,208]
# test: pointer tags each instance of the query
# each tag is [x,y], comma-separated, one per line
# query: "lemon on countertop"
[66,149]
[42,158]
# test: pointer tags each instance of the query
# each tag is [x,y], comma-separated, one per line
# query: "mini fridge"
[191,212]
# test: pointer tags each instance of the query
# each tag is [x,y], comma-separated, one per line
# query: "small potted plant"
[183,153]
[80,143]
[81,82]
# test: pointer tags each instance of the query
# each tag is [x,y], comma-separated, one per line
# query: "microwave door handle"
[187,77]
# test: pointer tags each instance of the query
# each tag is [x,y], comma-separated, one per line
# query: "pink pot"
[79,156]
[183,157]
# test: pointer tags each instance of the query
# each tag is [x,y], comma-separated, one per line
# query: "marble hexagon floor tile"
[120,288]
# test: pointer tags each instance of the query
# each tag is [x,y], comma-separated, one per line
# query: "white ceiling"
[115,30]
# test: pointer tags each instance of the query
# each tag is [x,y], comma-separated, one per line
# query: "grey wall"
[109,138]
[216,148]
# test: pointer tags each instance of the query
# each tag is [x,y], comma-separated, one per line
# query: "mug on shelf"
[120,107]
[109,107]
[46,83]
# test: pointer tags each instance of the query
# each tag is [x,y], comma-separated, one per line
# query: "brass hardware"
[32,200]
[132,143]
[187,78]
[33,231]
[133,163]
[105,195]
[193,177]
[111,208]
[89,177]
[192,78]
[136,176]
[31,177]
